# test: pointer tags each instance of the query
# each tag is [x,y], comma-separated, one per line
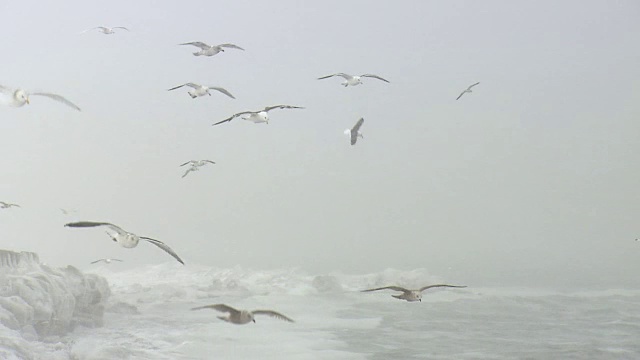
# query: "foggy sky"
[530,180]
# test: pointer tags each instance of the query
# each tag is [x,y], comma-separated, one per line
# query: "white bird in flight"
[6,205]
[210,50]
[354,133]
[201,90]
[260,116]
[468,90]
[352,80]
[106,30]
[19,97]
[241,317]
[411,295]
[195,165]
[125,238]
[106,261]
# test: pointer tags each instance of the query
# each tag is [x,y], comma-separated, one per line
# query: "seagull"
[241,317]
[354,132]
[5,205]
[67,212]
[106,30]
[411,295]
[195,165]
[259,116]
[107,261]
[201,90]
[124,238]
[468,90]
[19,97]
[352,80]
[208,50]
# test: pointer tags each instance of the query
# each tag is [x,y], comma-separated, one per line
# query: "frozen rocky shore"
[40,304]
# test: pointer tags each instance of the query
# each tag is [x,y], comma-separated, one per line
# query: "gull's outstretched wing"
[462,93]
[233,117]
[222,90]
[164,247]
[354,131]
[97,261]
[193,168]
[440,285]
[199,44]
[232,46]
[470,86]
[57,98]
[271,313]
[209,161]
[396,288]
[219,307]
[269,108]
[374,76]
[195,86]
[346,76]
[188,162]
[113,227]
[97,27]
[120,27]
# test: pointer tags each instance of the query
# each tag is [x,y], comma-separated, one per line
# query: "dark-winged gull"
[354,133]
[353,80]
[202,90]
[19,97]
[125,238]
[468,90]
[6,205]
[412,295]
[210,50]
[241,317]
[260,116]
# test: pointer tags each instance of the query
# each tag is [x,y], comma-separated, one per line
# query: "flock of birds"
[19,97]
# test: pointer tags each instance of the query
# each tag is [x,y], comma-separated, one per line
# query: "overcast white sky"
[532,179]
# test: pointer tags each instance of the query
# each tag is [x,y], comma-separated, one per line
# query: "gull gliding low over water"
[260,116]
[6,205]
[19,97]
[210,50]
[201,90]
[241,317]
[354,133]
[125,238]
[106,261]
[106,30]
[468,90]
[353,80]
[412,295]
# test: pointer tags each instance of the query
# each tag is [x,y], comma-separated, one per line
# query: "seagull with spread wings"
[106,261]
[19,97]
[195,165]
[241,317]
[6,205]
[468,90]
[210,50]
[412,295]
[202,90]
[354,133]
[260,116]
[353,80]
[106,30]
[125,238]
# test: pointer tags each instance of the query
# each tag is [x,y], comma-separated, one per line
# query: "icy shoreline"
[38,302]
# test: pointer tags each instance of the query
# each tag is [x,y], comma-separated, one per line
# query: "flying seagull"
[352,80]
[354,132]
[260,116]
[106,261]
[195,165]
[241,317]
[124,238]
[19,97]
[201,90]
[5,205]
[468,90]
[411,295]
[208,50]
[106,30]
[67,212]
